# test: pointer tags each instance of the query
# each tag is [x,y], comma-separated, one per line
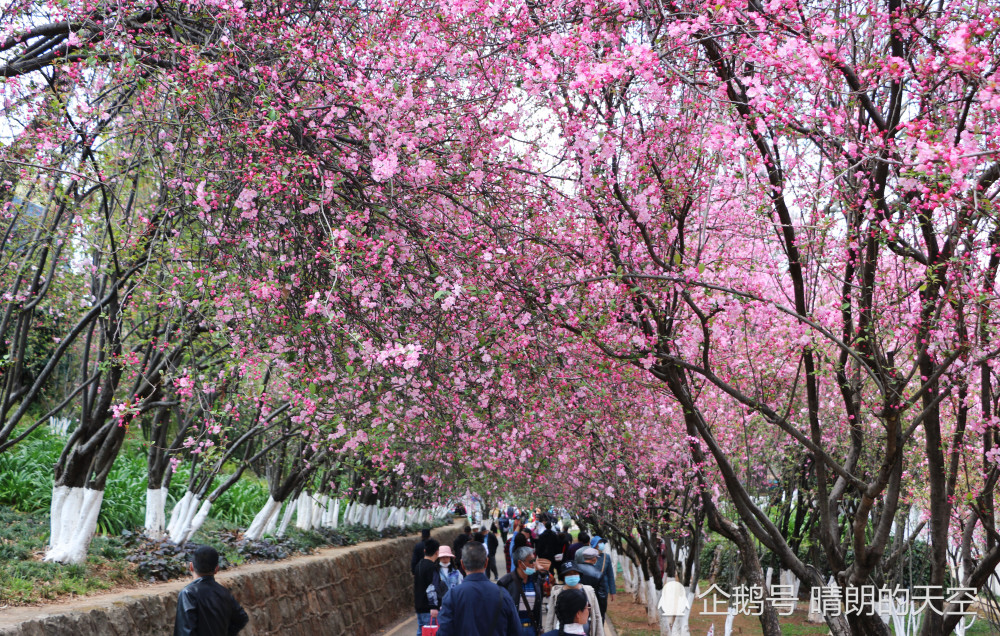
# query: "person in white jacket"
[571,580]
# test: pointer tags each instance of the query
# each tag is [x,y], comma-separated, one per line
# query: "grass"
[26,486]
[25,578]
[25,497]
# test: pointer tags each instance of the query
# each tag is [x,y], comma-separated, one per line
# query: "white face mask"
[445,564]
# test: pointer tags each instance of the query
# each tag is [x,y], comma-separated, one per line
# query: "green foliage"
[26,485]
[26,473]
[25,578]
[242,502]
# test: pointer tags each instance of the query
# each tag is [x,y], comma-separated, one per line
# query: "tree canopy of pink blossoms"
[662,264]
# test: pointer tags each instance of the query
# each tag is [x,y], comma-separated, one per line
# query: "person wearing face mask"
[604,565]
[528,585]
[573,611]
[586,560]
[447,575]
[570,574]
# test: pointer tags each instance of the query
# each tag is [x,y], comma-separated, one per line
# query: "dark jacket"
[589,575]
[468,610]
[512,583]
[418,553]
[422,578]
[570,553]
[458,544]
[492,543]
[547,544]
[205,608]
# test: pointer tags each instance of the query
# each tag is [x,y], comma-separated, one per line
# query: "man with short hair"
[477,607]
[418,550]
[461,540]
[528,585]
[423,578]
[586,560]
[548,543]
[582,541]
[205,608]
[490,541]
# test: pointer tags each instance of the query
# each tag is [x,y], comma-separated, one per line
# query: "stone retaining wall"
[352,591]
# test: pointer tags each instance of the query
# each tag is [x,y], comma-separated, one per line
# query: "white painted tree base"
[263,519]
[74,521]
[184,521]
[156,517]
[179,514]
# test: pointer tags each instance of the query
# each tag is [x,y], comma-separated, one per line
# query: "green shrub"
[241,502]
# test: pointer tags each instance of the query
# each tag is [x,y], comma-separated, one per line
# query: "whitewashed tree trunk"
[77,520]
[185,519]
[271,528]
[179,513]
[291,507]
[730,616]
[260,521]
[335,516]
[195,522]
[156,517]
[326,519]
[652,602]
[319,506]
[302,513]
[59,494]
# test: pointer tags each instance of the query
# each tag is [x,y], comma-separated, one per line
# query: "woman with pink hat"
[447,574]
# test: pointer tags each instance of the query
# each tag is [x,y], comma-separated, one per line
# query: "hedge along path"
[13,616]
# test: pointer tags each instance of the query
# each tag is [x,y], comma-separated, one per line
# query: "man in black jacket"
[205,608]
[460,542]
[547,543]
[528,585]
[492,542]
[423,577]
[590,575]
[418,550]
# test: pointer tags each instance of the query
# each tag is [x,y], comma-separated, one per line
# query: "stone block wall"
[352,591]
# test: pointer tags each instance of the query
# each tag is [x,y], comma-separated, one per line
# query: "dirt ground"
[630,620]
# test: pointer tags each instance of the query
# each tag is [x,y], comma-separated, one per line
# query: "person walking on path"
[573,611]
[490,541]
[205,608]
[586,560]
[547,544]
[423,581]
[418,549]
[461,540]
[528,587]
[477,607]
[582,541]
[604,565]
[504,527]
[447,576]
[570,574]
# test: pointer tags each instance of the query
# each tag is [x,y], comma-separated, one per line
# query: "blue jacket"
[468,609]
[607,571]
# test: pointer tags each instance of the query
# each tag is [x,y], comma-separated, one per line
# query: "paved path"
[408,626]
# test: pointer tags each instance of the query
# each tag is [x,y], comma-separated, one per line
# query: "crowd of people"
[553,584]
